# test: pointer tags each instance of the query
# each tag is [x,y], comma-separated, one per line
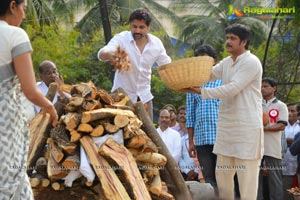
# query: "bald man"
[48,74]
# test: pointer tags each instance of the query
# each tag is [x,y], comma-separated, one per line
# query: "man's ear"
[12,7]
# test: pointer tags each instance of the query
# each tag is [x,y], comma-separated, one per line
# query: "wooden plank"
[111,185]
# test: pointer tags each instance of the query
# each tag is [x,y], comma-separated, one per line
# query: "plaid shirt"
[202,115]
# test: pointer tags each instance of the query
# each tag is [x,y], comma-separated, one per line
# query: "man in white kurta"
[239,142]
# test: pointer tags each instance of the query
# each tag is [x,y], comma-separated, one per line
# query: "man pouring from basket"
[133,53]
[239,142]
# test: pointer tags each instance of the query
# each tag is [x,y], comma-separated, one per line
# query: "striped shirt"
[202,115]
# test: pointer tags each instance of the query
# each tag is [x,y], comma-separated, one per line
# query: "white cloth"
[186,163]
[289,162]
[172,140]
[85,167]
[136,82]
[240,126]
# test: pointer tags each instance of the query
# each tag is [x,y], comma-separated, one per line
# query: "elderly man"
[48,74]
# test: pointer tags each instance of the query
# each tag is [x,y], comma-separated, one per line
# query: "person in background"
[239,141]
[173,118]
[295,149]
[144,50]
[201,123]
[289,162]
[271,162]
[16,76]
[49,74]
[170,137]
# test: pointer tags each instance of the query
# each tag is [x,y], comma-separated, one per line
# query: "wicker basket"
[185,73]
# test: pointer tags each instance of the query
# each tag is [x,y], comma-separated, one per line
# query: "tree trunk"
[181,188]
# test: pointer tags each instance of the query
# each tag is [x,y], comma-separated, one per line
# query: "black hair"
[182,107]
[270,81]
[240,30]
[140,14]
[5,5]
[205,49]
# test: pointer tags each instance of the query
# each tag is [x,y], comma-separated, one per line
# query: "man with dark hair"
[201,123]
[289,162]
[271,162]
[144,50]
[239,142]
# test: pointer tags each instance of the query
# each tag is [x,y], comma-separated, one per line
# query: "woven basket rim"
[188,72]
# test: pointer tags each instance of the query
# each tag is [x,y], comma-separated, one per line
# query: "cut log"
[75,136]
[105,97]
[112,188]
[38,139]
[76,101]
[57,186]
[123,102]
[151,159]
[124,159]
[92,105]
[120,107]
[176,177]
[86,90]
[71,162]
[66,88]
[121,121]
[54,170]
[98,131]
[104,113]
[52,91]
[85,128]
[136,142]
[156,186]
[117,96]
[56,151]
[45,182]
[71,120]
[59,135]
[110,128]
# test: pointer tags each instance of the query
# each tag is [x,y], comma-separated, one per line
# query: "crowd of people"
[218,137]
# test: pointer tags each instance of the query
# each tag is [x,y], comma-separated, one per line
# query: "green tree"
[211,18]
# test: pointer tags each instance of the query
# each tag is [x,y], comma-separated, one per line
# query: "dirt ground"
[74,193]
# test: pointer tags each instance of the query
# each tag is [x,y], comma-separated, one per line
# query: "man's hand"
[195,90]
[192,150]
[120,60]
[191,175]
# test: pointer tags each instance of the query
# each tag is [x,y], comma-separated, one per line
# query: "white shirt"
[186,163]
[44,89]
[289,162]
[172,140]
[136,82]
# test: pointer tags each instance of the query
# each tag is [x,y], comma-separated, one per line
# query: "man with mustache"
[170,137]
[143,50]
[239,141]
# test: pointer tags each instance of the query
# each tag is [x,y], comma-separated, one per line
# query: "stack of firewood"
[129,171]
